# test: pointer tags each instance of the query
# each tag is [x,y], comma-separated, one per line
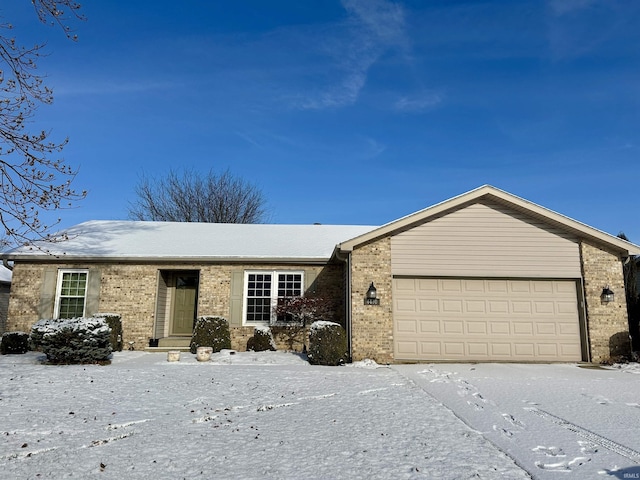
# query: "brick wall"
[607,323]
[25,295]
[130,290]
[372,325]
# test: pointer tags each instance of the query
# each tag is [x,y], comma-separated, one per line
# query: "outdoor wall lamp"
[607,295]
[371,298]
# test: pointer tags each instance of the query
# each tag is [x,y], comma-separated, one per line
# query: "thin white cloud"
[373,27]
[420,103]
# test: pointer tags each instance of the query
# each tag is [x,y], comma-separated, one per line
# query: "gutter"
[160,259]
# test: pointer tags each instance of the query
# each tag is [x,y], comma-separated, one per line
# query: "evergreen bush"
[114,320]
[14,342]
[211,331]
[327,344]
[262,340]
[73,340]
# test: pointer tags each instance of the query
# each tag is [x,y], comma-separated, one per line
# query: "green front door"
[184,304]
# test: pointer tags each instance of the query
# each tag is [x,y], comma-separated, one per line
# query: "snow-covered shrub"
[327,344]
[114,320]
[73,340]
[262,340]
[211,331]
[14,342]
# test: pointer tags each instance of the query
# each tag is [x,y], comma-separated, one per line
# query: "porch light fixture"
[607,295]
[371,298]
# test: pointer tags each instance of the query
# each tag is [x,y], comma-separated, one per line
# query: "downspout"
[5,262]
[348,312]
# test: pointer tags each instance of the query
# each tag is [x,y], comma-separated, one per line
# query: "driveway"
[551,419]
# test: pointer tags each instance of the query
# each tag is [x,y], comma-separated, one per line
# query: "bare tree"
[191,197]
[294,314]
[31,181]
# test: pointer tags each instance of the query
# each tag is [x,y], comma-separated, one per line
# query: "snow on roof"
[124,239]
[5,274]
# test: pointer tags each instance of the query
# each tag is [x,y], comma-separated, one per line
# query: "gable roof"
[124,240]
[488,192]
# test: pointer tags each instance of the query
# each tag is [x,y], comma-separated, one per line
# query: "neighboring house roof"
[167,241]
[5,275]
[491,193]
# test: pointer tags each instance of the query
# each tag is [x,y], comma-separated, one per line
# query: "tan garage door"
[486,320]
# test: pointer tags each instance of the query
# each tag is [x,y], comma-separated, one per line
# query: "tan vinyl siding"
[485,239]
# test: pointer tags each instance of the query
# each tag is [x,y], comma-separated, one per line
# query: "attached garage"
[466,319]
[487,276]
[486,282]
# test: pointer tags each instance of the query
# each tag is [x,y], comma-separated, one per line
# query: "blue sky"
[353,111]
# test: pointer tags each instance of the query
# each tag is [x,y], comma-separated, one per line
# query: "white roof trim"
[487,191]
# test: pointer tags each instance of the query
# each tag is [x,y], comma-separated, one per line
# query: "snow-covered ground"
[272,415]
[553,420]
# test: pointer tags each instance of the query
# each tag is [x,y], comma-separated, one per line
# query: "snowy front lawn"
[266,415]
[556,421]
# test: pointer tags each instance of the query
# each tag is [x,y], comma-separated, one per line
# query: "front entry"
[184,301]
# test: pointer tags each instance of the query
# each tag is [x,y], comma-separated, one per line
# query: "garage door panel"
[406,305]
[479,328]
[486,319]
[407,348]
[541,307]
[431,349]
[478,349]
[429,326]
[498,306]
[407,326]
[451,286]
[566,308]
[501,350]
[524,350]
[497,286]
[453,327]
[521,307]
[452,306]
[522,328]
[499,328]
[568,329]
[454,349]
[429,306]
[547,350]
[475,306]
[546,287]
[426,285]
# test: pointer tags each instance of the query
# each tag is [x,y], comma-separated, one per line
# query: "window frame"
[59,296]
[273,293]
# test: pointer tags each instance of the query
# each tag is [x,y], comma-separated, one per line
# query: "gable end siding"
[486,239]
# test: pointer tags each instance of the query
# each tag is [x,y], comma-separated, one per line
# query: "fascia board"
[487,191]
[44,258]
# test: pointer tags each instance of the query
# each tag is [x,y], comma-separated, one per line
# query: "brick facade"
[372,325]
[607,323]
[131,290]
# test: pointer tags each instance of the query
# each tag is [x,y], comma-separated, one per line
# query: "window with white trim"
[264,290]
[71,293]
